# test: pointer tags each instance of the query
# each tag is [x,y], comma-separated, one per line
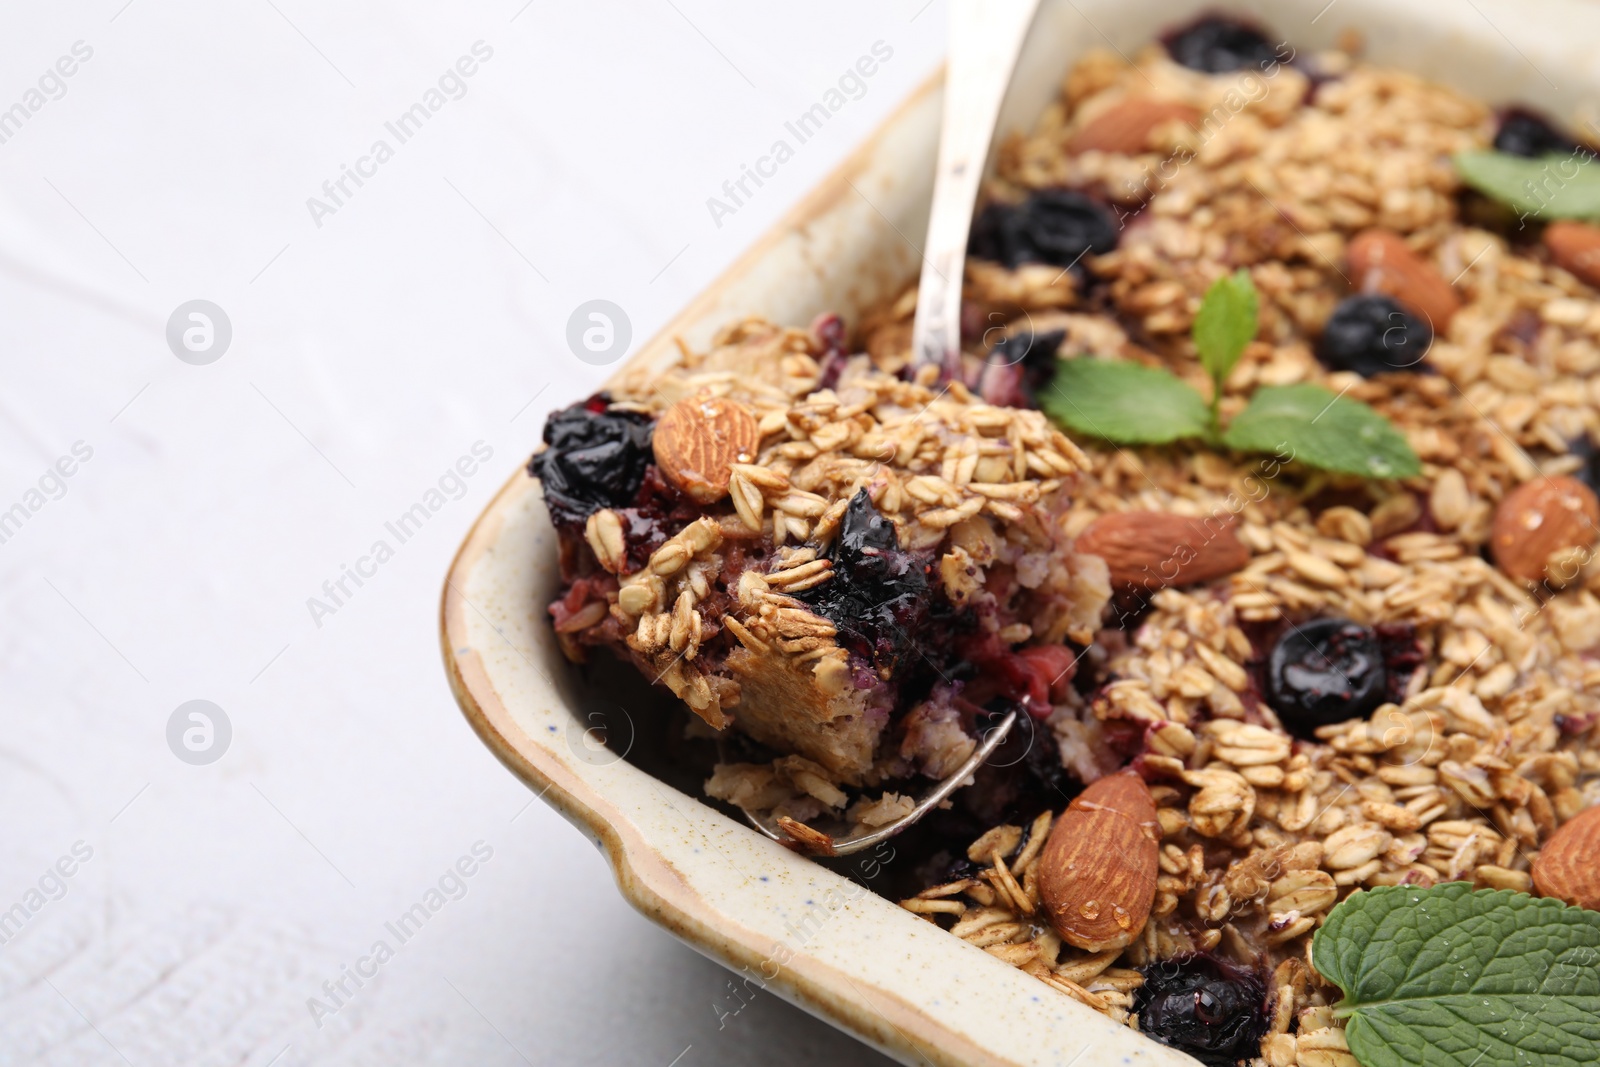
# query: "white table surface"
[426,314]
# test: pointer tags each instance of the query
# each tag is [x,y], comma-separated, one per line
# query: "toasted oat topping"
[1466,773]
[930,456]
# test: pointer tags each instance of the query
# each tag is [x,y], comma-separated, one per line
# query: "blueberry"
[1025,772]
[1056,226]
[1527,133]
[878,595]
[1373,334]
[1036,352]
[1018,366]
[1325,671]
[596,459]
[1210,1009]
[1217,44]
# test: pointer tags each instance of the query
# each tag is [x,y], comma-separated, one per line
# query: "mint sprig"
[1226,322]
[1131,404]
[1125,402]
[1452,977]
[1548,187]
[1324,430]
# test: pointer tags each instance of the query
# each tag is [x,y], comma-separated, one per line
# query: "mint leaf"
[1449,977]
[1124,402]
[1550,187]
[1322,429]
[1225,324]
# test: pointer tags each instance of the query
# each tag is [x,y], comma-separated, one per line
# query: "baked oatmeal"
[1274,681]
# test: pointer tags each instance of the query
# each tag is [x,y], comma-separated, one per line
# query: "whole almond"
[698,440]
[1126,126]
[1097,873]
[1381,261]
[1568,867]
[1156,549]
[1575,246]
[1541,517]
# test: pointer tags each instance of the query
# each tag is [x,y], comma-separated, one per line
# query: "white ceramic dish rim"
[789,925]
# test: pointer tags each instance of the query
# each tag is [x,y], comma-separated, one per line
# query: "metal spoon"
[792,832]
[985,39]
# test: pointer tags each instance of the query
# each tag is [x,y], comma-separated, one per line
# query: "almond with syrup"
[1125,127]
[1539,519]
[1575,247]
[1381,261]
[699,439]
[1568,867]
[1156,549]
[1097,873]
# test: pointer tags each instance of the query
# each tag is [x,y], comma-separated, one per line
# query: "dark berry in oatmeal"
[1527,133]
[1018,366]
[1325,671]
[878,595]
[596,459]
[1217,44]
[1056,226]
[1208,1008]
[1373,334]
[829,332]
[1023,777]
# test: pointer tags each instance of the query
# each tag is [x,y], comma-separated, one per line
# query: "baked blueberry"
[596,459]
[878,595]
[1527,133]
[1373,334]
[1034,352]
[1018,366]
[1210,1009]
[1217,44]
[1325,671]
[1055,226]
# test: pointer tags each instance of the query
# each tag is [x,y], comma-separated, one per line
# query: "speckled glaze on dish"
[814,938]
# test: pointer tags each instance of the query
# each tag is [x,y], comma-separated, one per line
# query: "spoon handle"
[985,38]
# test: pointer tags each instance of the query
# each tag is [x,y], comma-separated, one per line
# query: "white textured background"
[427,314]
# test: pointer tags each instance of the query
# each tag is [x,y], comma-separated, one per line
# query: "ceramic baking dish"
[791,926]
